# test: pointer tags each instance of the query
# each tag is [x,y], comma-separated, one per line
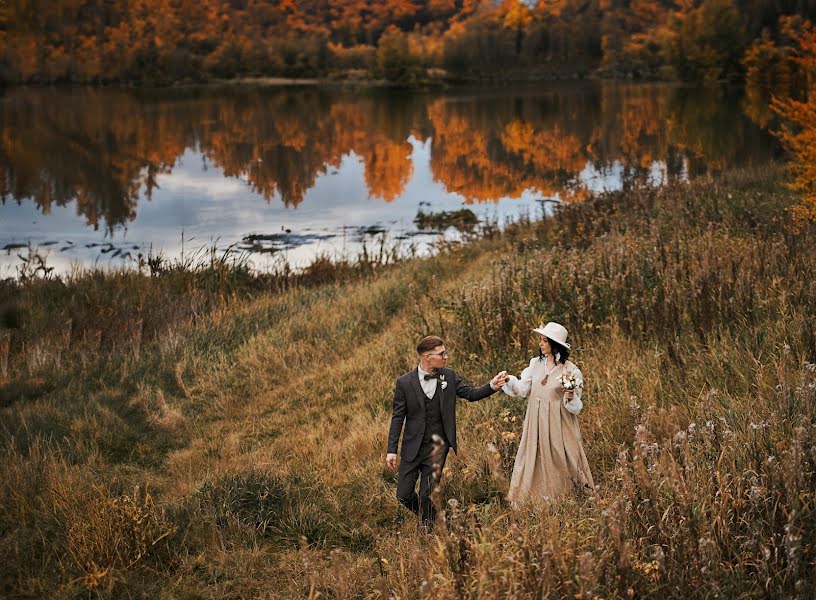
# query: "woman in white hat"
[550,459]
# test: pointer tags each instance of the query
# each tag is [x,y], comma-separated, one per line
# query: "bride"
[550,458]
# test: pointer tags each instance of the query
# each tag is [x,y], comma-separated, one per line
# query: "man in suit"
[425,401]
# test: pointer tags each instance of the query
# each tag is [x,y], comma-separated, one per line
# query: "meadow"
[199,430]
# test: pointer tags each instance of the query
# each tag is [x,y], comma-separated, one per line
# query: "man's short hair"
[429,343]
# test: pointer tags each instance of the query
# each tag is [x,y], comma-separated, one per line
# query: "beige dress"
[550,459]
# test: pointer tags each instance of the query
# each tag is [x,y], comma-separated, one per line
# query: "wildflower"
[792,543]
[651,570]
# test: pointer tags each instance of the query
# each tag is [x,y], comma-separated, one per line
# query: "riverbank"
[432,78]
[237,450]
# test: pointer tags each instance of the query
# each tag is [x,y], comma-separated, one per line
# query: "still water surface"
[100,176]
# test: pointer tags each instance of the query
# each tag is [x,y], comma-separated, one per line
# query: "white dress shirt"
[428,385]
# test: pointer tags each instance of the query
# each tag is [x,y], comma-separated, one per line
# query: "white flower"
[568,380]
[444,383]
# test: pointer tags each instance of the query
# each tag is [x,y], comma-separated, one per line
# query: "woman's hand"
[499,380]
[568,395]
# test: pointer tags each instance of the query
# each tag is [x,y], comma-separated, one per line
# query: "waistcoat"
[433,417]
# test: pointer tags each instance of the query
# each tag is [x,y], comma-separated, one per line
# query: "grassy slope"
[232,444]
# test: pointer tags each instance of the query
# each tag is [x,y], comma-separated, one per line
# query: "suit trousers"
[421,468]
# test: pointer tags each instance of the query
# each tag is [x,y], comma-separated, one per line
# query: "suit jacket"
[409,408]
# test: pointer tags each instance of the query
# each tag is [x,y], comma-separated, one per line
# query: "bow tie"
[432,376]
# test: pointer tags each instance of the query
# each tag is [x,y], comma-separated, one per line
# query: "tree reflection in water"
[104,149]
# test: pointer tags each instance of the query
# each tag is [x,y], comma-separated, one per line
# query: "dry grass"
[228,440]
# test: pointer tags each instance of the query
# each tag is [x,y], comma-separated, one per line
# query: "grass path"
[301,392]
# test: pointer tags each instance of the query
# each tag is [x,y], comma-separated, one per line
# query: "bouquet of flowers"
[569,381]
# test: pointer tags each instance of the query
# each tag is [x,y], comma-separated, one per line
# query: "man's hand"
[499,380]
[391,461]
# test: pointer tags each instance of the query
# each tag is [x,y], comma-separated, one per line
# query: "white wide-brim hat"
[555,332]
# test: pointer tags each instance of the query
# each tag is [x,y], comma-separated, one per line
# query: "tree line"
[407,42]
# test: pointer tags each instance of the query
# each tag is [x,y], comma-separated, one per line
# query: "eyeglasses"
[443,354]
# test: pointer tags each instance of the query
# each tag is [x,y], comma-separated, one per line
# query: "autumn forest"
[406,42]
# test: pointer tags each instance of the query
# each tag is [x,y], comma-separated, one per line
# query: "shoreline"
[387,251]
[333,82]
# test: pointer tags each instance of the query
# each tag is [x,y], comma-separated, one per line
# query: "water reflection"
[105,152]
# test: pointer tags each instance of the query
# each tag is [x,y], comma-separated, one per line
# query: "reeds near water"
[226,438]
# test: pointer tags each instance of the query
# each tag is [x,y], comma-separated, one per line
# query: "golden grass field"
[200,431]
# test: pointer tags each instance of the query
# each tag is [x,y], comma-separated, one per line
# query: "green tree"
[706,42]
[395,62]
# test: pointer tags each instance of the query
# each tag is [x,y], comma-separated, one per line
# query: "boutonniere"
[444,383]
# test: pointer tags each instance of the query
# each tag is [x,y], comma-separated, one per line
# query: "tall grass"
[228,441]
[692,311]
[51,326]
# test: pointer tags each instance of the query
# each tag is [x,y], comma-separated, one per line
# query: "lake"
[101,176]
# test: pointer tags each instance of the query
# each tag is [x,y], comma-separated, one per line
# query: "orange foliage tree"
[798,133]
[163,41]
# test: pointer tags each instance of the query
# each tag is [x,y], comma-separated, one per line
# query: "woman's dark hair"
[557,351]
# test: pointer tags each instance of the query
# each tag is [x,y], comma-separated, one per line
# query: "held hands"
[499,380]
[391,461]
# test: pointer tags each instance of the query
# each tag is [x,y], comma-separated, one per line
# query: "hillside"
[208,432]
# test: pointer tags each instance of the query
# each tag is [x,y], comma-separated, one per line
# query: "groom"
[425,400]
